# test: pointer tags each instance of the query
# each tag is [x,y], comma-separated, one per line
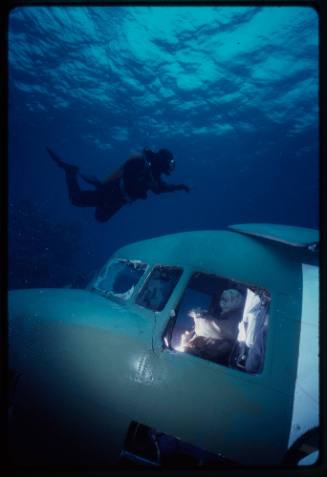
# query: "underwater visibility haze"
[231,91]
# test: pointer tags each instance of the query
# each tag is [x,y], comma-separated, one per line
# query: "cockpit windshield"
[119,278]
[221,320]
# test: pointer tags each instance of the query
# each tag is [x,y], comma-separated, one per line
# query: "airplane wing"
[294,236]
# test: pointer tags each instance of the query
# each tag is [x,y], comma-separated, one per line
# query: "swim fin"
[68,168]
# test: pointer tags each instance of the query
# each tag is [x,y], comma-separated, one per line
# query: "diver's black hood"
[160,161]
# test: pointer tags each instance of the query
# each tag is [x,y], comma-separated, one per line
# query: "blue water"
[232,92]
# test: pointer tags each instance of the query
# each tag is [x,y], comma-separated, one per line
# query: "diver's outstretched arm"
[163,187]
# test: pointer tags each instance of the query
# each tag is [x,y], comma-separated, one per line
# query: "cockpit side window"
[119,278]
[222,321]
[159,287]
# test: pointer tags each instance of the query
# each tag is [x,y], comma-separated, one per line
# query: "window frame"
[147,279]
[111,295]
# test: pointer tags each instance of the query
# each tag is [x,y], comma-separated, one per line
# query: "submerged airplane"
[197,349]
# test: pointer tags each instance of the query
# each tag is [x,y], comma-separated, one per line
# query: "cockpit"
[216,318]
[221,320]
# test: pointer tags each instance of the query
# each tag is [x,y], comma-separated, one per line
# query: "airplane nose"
[71,383]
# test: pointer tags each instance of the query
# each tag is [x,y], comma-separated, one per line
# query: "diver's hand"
[185,188]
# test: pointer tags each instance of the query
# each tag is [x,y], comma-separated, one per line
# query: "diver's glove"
[185,187]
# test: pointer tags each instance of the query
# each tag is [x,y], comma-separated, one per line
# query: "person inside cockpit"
[214,337]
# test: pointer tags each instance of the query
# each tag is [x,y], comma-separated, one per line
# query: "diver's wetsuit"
[131,182]
[107,198]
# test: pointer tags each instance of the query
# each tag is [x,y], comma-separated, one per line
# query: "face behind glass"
[228,302]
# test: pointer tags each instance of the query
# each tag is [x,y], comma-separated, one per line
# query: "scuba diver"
[140,174]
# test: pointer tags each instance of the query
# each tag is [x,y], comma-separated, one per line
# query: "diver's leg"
[104,212]
[78,197]
[111,201]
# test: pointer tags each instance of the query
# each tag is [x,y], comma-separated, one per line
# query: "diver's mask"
[171,165]
[163,160]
